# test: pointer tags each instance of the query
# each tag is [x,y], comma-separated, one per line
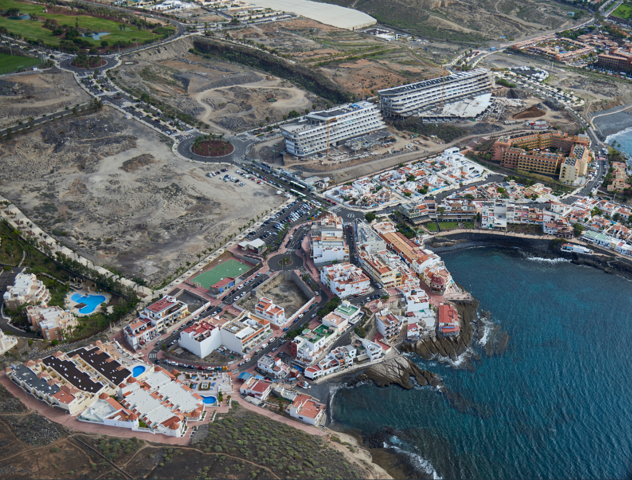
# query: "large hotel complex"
[319,130]
[417,98]
[547,153]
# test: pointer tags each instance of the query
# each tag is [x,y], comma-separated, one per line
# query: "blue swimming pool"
[137,370]
[91,302]
[210,400]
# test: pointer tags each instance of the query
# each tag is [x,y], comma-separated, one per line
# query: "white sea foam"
[548,260]
[614,136]
[419,463]
[487,327]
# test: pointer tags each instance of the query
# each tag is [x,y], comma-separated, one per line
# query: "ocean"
[555,404]
[624,138]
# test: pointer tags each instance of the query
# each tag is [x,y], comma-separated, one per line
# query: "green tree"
[370,216]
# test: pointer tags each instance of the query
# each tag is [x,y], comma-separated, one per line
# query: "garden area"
[211,146]
[79,27]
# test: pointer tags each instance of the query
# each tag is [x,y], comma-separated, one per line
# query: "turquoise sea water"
[624,137]
[559,397]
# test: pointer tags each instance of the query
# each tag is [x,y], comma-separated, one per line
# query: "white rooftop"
[326,13]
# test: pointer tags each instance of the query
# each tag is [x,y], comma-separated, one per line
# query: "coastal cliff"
[399,371]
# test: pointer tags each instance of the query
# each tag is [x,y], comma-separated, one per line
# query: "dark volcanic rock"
[399,370]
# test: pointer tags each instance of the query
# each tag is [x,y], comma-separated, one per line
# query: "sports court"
[228,268]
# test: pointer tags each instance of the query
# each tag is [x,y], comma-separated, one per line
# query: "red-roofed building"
[260,389]
[165,312]
[268,310]
[306,409]
[448,320]
[139,332]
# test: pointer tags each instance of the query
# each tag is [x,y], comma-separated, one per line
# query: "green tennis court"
[228,268]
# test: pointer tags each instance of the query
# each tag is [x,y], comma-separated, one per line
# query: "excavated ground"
[113,189]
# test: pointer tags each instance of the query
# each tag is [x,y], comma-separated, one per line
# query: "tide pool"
[553,406]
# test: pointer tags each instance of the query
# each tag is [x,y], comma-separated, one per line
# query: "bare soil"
[284,293]
[532,112]
[33,95]
[112,188]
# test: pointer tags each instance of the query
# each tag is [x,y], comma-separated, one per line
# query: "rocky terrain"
[399,371]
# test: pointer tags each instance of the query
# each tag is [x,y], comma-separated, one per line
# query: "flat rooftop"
[433,82]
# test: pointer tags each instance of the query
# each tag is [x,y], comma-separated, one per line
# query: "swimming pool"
[91,302]
[210,400]
[137,370]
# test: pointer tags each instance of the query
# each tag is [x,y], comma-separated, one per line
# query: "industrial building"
[420,97]
[320,130]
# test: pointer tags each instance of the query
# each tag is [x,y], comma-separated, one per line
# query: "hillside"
[465,21]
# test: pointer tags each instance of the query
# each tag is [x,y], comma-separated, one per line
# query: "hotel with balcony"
[54,322]
[319,130]
[140,332]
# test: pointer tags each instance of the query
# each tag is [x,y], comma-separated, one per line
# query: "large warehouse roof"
[326,13]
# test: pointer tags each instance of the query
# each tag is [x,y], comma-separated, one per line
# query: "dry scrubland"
[113,188]
[240,445]
[466,21]
[226,95]
[33,95]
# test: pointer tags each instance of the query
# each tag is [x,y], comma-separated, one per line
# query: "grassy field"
[34,30]
[623,11]
[449,225]
[11,63]
[431,226]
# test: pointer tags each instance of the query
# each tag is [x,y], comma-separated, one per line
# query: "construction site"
[112,189]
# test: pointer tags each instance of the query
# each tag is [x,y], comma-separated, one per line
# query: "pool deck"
[72,305]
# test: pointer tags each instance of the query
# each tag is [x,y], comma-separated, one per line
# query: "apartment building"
[26,288]
[240,335]
[164,404]
[617,60]
[419,212]
[267,310]
[327,243]
[338,359]
[165,312]
[54,322]
[140,332]
[345,279]
[310,344]
[306,409]
[320,130]
[368,350]
[417,98]
[388,324]
[538,152]
[379,271]
[274,366]
[341,316]
[70,381]
[366,239]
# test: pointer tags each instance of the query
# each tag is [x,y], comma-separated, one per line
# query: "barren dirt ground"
[284,293]
[113,188]
[32,95]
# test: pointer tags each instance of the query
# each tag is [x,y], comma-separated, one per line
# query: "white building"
[388,324]
[164,404]
[327,241]
[370,351]
[267,310]
[417,98]
[274,366]
[319,130]
[165,312]
[26,289]
[341,316]
[310,344]
[306,409]
[253,387]
[345,279]
[338,359]
[139,332]
[240,335]
[7,342]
